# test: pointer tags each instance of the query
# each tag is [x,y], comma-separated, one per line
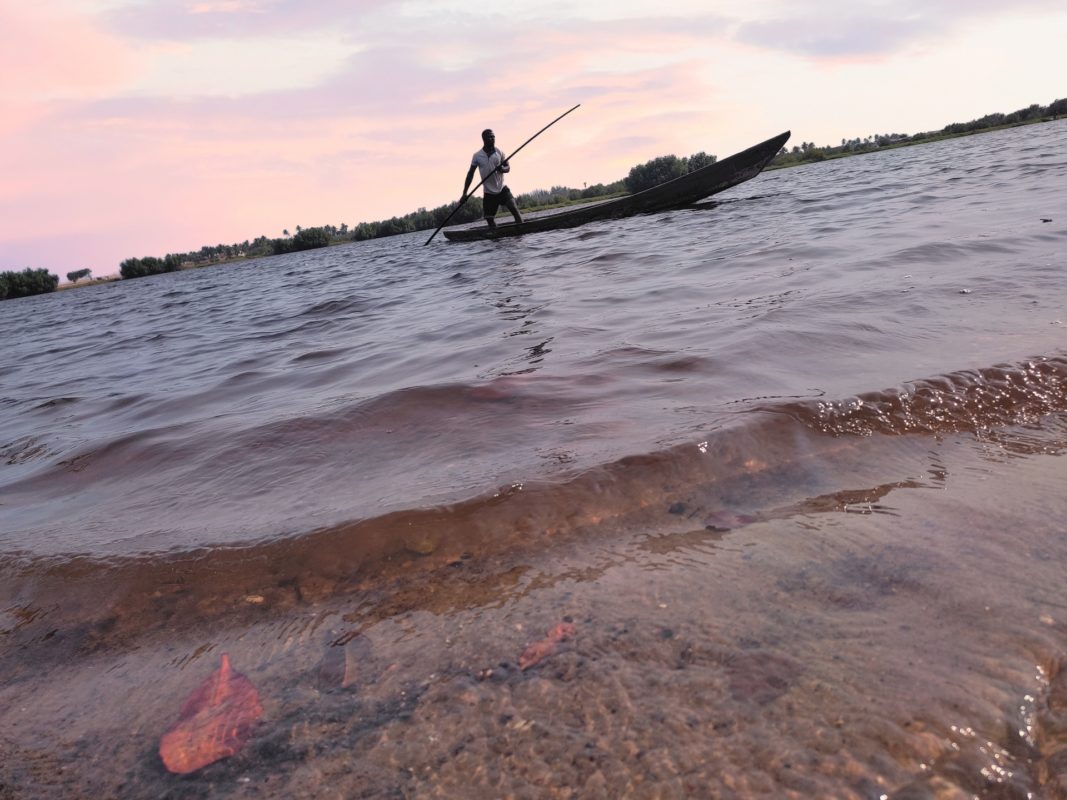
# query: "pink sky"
[133,128]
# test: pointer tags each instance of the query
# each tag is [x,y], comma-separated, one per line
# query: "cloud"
[870,29]
[457,66]
[187,20]
[370,57]
[229,69]
[839,37]
[48,57]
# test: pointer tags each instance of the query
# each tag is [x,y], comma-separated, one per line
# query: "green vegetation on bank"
[26,283]
[149,265]
[322,236]
[640,177]
[663,169]
[807,152]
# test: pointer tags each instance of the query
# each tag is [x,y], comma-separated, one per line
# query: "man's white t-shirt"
[486,163]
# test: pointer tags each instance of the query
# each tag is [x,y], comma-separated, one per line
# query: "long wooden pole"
[483,180]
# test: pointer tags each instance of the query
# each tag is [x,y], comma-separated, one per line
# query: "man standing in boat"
[492,165]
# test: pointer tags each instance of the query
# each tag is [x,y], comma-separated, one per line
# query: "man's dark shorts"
[492,202]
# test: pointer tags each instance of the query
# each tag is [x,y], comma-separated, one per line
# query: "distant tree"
[305,239]
[131,268]
[654,172]
[149,265]
[308,238]
[1057,107]
[78,274]
[603,190]
[26,283]
[364,231]
[394,226]
[699,161]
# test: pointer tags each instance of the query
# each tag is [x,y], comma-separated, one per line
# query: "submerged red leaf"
[540,650]
[214,722]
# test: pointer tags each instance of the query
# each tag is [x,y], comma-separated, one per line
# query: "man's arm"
[504,165]
[470,177]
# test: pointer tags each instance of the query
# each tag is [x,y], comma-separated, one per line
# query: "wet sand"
[902,635]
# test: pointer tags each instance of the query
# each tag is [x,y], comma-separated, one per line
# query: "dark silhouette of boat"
[676,193]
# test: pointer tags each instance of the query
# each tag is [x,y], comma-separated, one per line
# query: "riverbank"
[92,282]
[827,153]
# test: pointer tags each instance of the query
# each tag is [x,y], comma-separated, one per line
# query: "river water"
[791,462]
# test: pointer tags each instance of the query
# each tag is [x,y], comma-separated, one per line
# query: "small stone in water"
[420,545]
[727,520]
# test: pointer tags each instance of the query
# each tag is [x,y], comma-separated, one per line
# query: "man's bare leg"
[514,209]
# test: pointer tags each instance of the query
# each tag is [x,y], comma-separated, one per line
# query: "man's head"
[488,137]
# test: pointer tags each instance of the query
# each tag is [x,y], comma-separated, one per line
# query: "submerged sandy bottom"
[902,639]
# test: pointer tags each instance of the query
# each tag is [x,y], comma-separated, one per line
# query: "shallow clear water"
[791,463]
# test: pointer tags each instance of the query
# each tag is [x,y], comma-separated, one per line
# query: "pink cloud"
[48,56]
[872,30]
[48,51]
[181,20]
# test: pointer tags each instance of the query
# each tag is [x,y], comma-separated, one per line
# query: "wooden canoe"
[682,191]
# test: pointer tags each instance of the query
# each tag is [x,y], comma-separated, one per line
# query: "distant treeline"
[310,238]
[472,210]
[640,177]
[808,151]
[27,282]
[150,265]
